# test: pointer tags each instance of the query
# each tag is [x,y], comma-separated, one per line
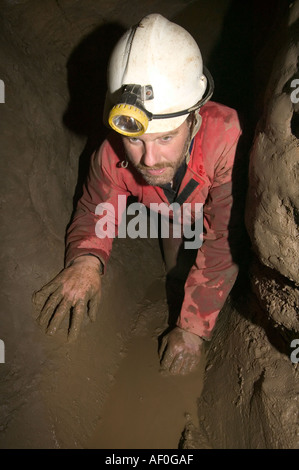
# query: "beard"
[166,177]
[170,168]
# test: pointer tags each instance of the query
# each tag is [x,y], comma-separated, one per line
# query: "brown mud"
[145,408]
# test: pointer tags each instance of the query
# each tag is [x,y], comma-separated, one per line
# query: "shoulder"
[217,137]
[219,123]
[111,151]
[219,112]
[112,145]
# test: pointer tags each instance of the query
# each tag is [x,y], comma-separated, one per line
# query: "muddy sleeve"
[99,210]
[215,270]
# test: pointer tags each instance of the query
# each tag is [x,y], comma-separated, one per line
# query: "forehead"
[158,135]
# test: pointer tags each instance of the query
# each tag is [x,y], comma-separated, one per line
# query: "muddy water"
[146,409]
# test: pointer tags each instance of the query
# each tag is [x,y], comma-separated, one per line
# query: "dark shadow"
[231,61]
[232,64]
[87,83]
[175,280]
[237,63]
[266,19]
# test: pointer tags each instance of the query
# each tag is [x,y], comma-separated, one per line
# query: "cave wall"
[250,354]
[273,204]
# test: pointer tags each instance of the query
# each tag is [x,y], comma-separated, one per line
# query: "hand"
[75,290]
[180,352]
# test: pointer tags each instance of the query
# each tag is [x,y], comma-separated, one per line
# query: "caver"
[170,143]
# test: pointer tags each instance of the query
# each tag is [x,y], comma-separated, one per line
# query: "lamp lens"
[127,124]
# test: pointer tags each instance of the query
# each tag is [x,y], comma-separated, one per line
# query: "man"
[170,144]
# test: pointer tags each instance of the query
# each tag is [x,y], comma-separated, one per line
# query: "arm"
[76,290]
[215,270]
[213,274]
[103,186]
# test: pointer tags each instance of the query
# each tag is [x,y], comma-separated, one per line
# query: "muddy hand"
[75,290]
[180,352]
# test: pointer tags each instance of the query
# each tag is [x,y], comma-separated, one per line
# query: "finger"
[181,365]
[162,347]
[48,288]
[189,364]
[49,308]
[177,364]
[167,359]
[77,319]
[93,308]
[62,310]
[40,297]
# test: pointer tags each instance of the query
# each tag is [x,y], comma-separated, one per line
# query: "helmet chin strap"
[195,126]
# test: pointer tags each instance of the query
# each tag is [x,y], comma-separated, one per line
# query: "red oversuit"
[208,180]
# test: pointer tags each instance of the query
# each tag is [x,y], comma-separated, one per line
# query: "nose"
[150,156]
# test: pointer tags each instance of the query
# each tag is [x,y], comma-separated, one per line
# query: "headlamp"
[129,116]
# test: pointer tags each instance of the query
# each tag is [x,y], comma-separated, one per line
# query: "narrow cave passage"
[105,391]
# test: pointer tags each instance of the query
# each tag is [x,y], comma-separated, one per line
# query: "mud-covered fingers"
[79,311]
[162,347]
[63,309]
[183,365]
[49,307]
[178,362]
[40,297]
[167,358]
[93,308]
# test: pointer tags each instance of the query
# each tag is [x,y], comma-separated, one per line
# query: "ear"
[190,120]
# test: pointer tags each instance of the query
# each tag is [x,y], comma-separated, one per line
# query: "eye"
[166,138]
[134,140]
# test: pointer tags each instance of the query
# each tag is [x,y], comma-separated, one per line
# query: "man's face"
[158,156]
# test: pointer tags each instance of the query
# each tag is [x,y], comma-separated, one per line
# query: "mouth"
[155,172]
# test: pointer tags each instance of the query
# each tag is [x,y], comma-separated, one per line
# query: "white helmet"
[155,70]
